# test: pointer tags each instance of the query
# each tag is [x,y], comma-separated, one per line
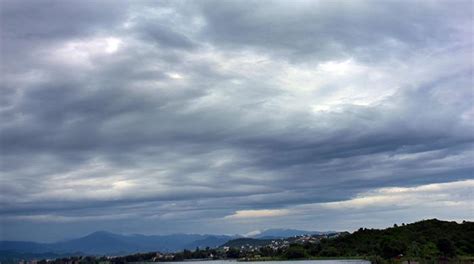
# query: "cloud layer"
[223,117]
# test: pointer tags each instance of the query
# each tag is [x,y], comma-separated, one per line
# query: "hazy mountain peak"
[102,233]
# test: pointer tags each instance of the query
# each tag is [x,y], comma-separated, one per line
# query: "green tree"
[446,247]
[295,252]
[329,251]
[315,250]
[429,250]
[414,250]
[392,248]
[233,253]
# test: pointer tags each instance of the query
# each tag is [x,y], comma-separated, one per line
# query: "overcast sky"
[226,117]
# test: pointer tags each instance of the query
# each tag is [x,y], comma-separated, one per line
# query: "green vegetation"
[296,252]
[426,241]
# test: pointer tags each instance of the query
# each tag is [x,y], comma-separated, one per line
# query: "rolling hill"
[106,243]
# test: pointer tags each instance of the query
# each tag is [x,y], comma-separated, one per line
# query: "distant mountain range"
[100,243]
[106,243]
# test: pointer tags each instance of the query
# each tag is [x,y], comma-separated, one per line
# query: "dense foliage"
[430,238]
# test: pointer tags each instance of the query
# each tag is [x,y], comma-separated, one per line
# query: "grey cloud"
[52,19]
[180,122]
[368,30]
[164,36]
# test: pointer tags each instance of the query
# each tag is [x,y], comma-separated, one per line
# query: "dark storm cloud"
[27,26]
[171,112]
[51,20]
[328,30]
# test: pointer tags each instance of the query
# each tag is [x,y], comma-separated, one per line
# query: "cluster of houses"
[163,256]
[278,244]
[27,261]
[304,239]
[63,261]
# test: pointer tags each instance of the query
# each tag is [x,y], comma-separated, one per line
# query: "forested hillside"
[421,239]
[428,239]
